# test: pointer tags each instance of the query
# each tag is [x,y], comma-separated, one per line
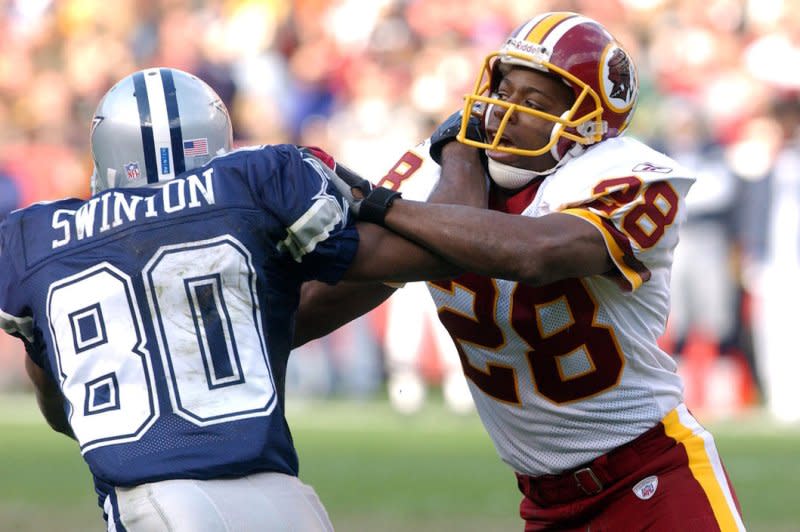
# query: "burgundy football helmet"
[587,57]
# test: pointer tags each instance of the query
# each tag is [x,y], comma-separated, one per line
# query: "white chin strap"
[511,177]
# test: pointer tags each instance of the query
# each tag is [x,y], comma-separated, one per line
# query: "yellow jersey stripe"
[633,277]
[706,469]
[540,31]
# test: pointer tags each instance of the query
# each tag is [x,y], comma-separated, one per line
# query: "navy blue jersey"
[166,314]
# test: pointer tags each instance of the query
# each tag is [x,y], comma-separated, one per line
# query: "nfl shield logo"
[646,488]
[132,171]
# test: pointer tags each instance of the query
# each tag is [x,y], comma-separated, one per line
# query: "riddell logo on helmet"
[525,46]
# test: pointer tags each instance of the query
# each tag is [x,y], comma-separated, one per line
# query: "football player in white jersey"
[567,290]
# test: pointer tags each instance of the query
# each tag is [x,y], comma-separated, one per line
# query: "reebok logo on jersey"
[650,167]
[646,488]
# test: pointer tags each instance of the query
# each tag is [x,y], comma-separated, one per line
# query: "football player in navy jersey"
[158,315]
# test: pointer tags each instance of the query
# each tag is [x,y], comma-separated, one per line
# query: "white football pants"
[272,502]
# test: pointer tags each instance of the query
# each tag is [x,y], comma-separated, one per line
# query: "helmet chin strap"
[511,177]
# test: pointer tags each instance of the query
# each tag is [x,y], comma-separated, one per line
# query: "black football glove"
[448,130]
[376,200]
[369,203]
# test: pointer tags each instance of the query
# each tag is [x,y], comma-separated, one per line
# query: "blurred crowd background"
[366,79]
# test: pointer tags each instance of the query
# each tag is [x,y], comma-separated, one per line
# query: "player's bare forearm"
[324,308]
[531,250]
[385,256]
[462,180]
[49,399]
[381,256]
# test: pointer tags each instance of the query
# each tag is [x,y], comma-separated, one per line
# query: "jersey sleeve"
[414,174]
[14,318]
[316,229]
[639,221]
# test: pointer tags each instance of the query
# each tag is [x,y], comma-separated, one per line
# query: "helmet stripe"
[145,124]
[538,33]
[522,31]
[559,31]
[161,127]
[174,117]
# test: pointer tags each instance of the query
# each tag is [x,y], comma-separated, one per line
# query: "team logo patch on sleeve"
[646,488]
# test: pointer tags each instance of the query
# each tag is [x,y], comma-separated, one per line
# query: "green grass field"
[379,471]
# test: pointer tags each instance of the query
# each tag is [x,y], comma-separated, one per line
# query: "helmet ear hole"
[591,131]
[154,125]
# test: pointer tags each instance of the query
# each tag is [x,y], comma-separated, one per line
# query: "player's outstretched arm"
[531,250]
[324,308]
[381,256]
[535,251]
[385,256]
[49,398]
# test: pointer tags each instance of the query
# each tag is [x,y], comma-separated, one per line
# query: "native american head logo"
[619,73]
[619,79]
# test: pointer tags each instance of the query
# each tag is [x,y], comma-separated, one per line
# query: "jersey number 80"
[207,323]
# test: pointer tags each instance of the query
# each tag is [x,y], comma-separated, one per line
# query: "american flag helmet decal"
[195,147]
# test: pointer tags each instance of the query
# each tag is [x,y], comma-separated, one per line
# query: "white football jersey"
[565,372]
